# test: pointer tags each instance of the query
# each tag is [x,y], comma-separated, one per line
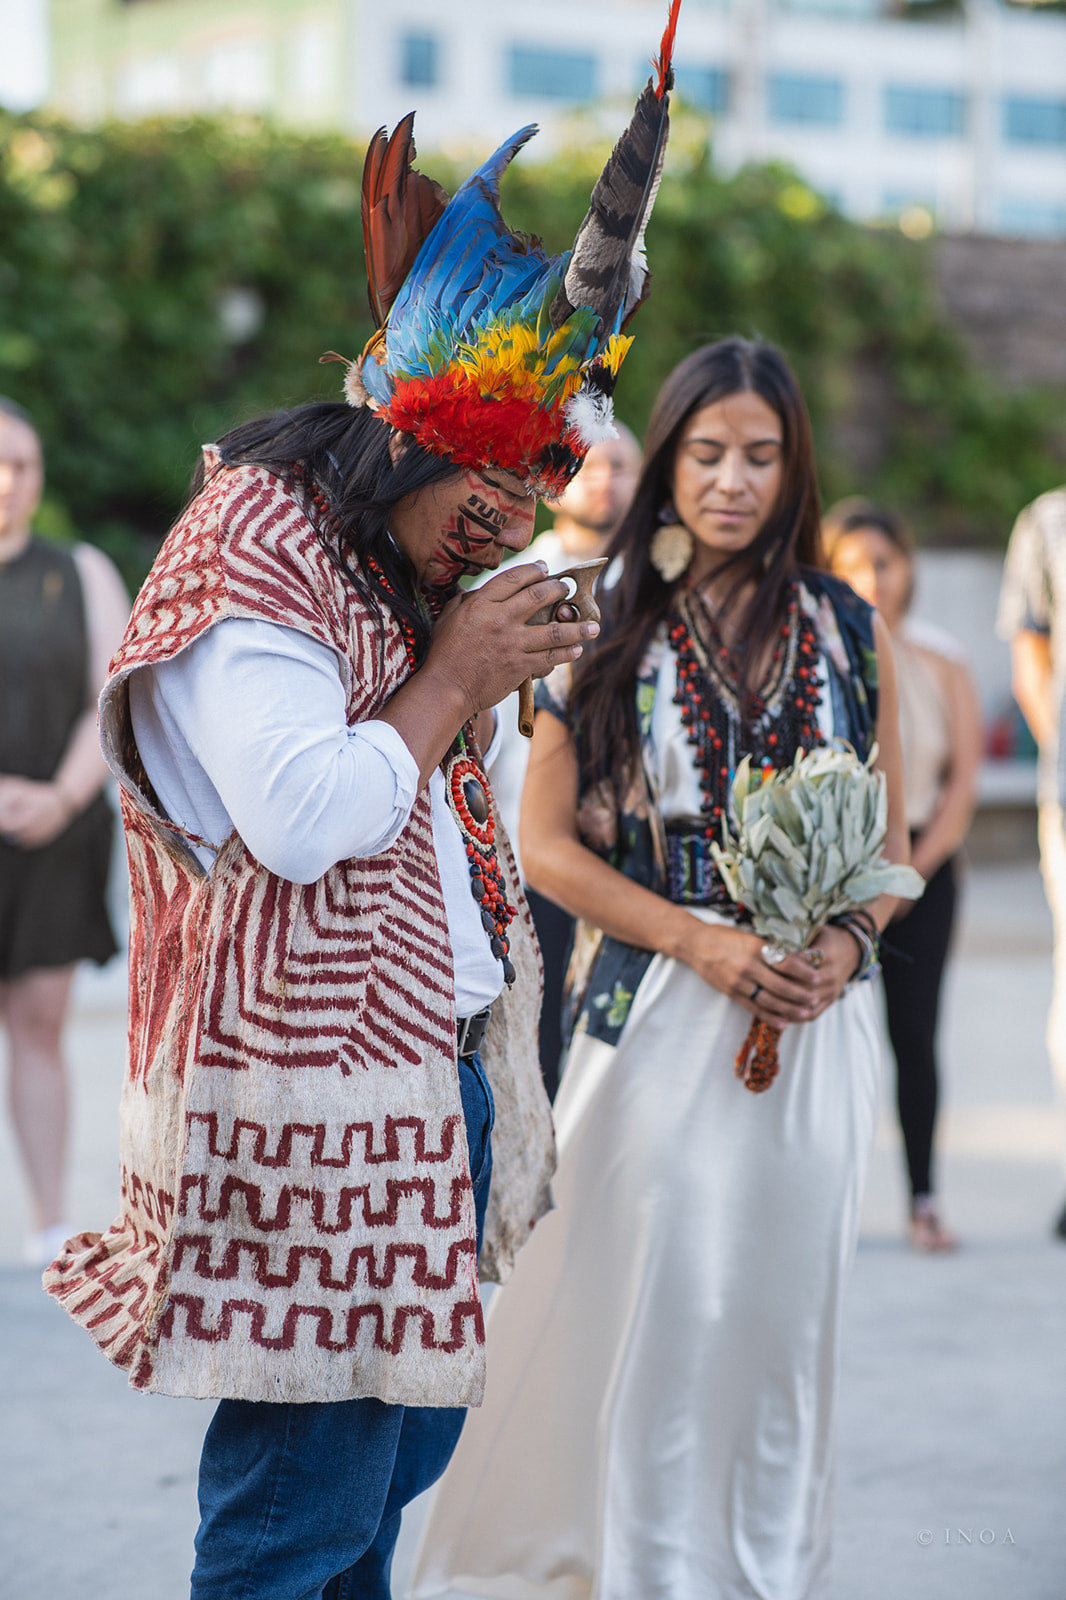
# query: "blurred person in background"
[586,515]
[62,612]
[1032,618]
[941,737]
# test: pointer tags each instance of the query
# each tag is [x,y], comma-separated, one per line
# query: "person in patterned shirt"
[1032,618]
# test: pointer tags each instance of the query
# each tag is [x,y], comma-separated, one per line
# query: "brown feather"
[400,207]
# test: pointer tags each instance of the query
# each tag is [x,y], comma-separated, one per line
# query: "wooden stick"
[583,608]
[525,708]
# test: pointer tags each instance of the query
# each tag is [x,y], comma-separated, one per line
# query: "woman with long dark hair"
[658,1419]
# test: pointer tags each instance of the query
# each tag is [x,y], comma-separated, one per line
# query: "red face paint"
[472,530]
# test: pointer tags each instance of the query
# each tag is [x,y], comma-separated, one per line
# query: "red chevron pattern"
[296,1181]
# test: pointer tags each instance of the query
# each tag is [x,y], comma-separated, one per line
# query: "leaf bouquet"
[807,849]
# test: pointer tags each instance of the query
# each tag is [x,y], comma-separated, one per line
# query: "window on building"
[420,60]
[704,87]
[1033,218]
[551,74]
[794,97]
[1031,121]
[148,86]
[835,8]
[924,113]
[236,76]
[895,201]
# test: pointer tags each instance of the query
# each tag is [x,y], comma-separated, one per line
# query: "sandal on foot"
[927,1233]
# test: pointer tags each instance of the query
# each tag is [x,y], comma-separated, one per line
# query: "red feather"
[400,207]
[451,415]
[666,51]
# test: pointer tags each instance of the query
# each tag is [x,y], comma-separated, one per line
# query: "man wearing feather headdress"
[333,979]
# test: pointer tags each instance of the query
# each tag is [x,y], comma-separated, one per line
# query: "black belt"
[470,1031]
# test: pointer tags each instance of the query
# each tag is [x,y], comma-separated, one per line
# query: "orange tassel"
[757,1063]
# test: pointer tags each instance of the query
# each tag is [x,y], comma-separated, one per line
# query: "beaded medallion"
[469,799]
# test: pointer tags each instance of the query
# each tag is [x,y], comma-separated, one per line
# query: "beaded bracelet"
[860,914]
[864,931]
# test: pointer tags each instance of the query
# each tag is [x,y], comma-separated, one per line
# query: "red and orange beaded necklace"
[721,722]
[466,787]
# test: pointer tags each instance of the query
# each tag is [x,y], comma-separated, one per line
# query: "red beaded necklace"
[466,787]
[722,723]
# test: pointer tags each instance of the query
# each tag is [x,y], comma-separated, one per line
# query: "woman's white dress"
[658,1421]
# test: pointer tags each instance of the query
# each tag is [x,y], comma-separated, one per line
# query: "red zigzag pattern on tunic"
[297,1215]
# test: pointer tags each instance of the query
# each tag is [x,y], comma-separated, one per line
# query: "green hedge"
[121,248]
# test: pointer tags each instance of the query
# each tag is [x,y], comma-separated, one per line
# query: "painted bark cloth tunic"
[297,1219]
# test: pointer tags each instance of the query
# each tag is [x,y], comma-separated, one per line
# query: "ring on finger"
[773,955]
[816,958]
[755,992]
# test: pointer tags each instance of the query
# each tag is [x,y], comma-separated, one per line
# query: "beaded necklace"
[466,787]
[723,724]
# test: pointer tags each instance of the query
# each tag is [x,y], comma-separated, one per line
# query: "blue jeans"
[303,1502]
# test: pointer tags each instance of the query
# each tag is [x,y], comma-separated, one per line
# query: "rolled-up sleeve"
[1025,601]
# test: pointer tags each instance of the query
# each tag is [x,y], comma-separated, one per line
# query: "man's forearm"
[1031,683]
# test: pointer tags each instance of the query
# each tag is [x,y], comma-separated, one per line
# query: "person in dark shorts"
[62,613]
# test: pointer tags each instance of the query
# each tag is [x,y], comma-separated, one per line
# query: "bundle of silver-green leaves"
[806,846]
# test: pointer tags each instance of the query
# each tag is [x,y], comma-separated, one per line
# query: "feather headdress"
[488,350]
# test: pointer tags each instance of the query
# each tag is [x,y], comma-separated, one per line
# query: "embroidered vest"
[297,1216]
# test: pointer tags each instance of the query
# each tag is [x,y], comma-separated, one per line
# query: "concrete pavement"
[953,1402]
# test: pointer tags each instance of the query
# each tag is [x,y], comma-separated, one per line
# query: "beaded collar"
[722,724]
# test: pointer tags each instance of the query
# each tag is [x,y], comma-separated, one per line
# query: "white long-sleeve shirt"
[246,730]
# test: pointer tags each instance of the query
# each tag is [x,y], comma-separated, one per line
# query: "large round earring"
[672,546]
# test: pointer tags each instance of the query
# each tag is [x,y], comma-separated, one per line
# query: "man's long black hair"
[343,451]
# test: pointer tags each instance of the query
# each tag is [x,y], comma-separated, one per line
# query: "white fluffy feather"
[591,415]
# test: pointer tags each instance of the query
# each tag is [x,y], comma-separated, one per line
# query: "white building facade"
[962,117]
[955,113]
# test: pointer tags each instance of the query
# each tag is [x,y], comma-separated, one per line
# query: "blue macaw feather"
[424,343]
[376,381]
[472,215]
[469,265]
[501,283]
[468,275]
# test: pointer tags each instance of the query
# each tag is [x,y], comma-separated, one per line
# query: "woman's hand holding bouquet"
[807,851]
